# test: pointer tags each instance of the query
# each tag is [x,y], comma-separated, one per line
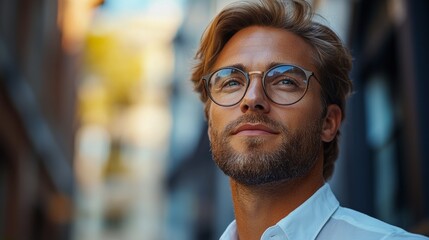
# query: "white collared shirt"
[321,217]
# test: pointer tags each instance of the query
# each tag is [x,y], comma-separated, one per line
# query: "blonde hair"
[330,56]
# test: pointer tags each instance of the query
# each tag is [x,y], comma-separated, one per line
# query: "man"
[274,84]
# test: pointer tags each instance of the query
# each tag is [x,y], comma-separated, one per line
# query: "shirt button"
[274,233]
[276,237]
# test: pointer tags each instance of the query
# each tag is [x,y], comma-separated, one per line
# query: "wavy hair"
[330,56]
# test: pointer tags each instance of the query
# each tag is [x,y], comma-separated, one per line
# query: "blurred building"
[39,56]
[385,156]
[36,122]
[125,117]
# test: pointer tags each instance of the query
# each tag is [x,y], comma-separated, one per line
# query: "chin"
[254,143]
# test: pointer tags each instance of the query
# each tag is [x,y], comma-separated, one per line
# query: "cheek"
[220,117]
[298,115]
[214,118]
[311,106]
[207,109]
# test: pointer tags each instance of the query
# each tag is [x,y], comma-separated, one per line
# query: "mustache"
[255,118]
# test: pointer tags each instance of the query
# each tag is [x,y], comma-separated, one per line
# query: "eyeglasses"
[282,84]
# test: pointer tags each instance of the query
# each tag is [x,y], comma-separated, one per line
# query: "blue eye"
[284,84]
[287,81]
[231,83]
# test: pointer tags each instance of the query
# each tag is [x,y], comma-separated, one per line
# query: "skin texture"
[258,126]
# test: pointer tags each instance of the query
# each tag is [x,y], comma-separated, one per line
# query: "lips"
[253,129]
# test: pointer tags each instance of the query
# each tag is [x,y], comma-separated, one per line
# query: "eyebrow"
[244,68]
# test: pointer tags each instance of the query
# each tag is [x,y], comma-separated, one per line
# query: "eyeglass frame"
[308,75]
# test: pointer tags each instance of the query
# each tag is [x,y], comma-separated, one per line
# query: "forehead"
[256,47]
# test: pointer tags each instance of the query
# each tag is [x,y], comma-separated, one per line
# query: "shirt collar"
[305,222]
[230,232]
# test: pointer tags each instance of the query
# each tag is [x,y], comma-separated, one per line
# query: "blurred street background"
[102,137]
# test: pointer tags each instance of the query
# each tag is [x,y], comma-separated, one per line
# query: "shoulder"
[352,224]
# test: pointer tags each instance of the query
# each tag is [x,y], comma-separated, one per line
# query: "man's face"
[257,141]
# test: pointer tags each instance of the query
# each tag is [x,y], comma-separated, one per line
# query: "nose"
[255,98]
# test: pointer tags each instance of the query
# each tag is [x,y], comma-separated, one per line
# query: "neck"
[259,207]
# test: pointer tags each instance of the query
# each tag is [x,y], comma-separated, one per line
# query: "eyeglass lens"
[284,84]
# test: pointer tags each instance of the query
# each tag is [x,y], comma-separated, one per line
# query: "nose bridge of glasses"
[255,72]
[255,87]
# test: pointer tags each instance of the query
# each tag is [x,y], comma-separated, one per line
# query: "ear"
[331,123]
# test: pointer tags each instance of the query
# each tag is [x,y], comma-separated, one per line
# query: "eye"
[287,81]
[231,84]
[285,84]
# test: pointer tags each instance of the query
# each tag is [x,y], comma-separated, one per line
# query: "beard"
[293,158]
